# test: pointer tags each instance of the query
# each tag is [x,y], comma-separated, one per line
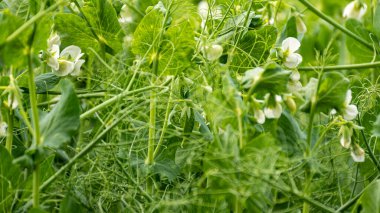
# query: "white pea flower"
[357,153]
[350,111]
[66,62]
[203,9]
[273,110]
[289,46]
[213,52]
[125,15]
[3,129]
[12,101]
[294,85]
[252,76]
[345,133]
[259,116]
[355,9]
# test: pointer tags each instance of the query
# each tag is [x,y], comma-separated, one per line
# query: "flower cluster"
[66,62]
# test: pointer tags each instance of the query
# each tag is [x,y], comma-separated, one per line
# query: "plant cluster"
[189,106]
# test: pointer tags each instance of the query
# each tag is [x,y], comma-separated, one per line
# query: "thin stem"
[342,67]
[167,113]
[371,155]
[152,129]
[85,150]
[240,126]
[35,119]
[9,141]
[301,196]
[118,97]
[353,200]
[336,25]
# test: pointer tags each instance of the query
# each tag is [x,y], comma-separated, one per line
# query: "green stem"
[36,185]
[342,67]
[152,129]
[167,113]
[9,141]
[35,120]
[240,126]
[301,196]
[371,155]
[118,97]
[336,25]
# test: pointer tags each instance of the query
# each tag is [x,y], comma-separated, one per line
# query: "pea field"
[189,106]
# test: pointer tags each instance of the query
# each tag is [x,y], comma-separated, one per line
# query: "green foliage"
[253,48]
[361,54]
[10,178]
[370,199]
[62,123]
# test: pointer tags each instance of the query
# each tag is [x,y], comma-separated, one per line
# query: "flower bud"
[213,52]
[355,9]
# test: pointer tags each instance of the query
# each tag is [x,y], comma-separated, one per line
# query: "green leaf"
[290,30]
[71,204]
[176,47]
[15,50]
[146,33]
[103,20]
[63,121]
[45,82]
[360,52]
[22,8]
[369,202]
[253,49]
[74,30]
[9,180]
[166,168]
[331,93]
[273,80]
[289,133]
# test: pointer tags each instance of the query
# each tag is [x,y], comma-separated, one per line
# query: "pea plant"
[189,106]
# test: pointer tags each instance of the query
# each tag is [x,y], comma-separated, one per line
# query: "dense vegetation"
[189,106]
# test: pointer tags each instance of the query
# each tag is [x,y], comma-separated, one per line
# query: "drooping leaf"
[46,81]
[289,133]
[62,122]
[370,200]
[253,49]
